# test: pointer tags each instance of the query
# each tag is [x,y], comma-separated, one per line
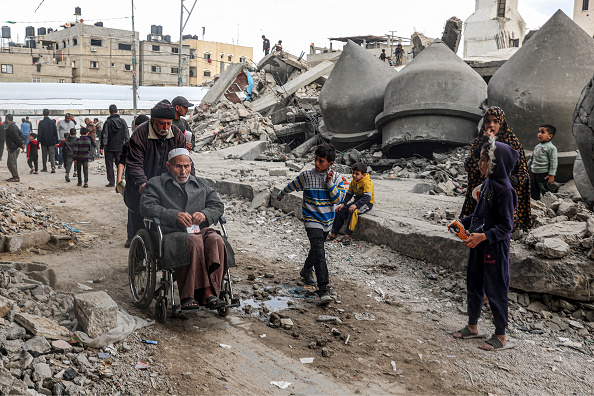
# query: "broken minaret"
[495,24]
[452,32]
[541,83]
[353,96]
[583,132]
[432,104]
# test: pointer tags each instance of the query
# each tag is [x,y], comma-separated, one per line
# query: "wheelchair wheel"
[142,269]
[161,309]
[225,296]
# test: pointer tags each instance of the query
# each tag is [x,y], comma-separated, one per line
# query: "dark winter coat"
[82,148]
[2,131]
[114,133]
[48,133]
[147,156]
[14,137]
[68,145]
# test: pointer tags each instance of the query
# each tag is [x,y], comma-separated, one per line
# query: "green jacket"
[544,159]
[164,198]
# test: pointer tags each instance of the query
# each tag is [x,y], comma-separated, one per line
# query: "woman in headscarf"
[495,124]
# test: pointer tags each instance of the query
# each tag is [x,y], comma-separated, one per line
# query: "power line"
[62,21]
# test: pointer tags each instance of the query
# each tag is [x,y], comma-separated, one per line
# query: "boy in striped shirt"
[322,190]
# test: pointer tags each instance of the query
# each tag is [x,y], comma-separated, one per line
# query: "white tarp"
[26,97]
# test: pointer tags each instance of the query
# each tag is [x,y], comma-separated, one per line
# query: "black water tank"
[41,31]
[154,29]
[167,38]
[100,24]
[29,31]
[159,29]
[31,44]
[5,31]
[77,11]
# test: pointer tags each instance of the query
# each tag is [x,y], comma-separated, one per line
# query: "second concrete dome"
[433,103]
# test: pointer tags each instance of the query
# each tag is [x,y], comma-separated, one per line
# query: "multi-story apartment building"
[82,53]
[209,58]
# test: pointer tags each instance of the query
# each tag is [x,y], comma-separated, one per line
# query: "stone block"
[24,241]
[261,199]
[569,231]
[42,371]
[291,202]
[278,172]
[96,312]
[42,326]
[233,187]
[552,248]
[5,304]
[38,344]
[247,151]
[568,209]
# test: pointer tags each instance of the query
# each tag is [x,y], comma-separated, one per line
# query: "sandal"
[213,302]
[467,334]
[330,238]
[85,185]
[14,180]
[498,345]
[189,303]
[346,240]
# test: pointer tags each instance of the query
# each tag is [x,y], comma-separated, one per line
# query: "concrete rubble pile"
[25,223]
[41,355]
[283,107]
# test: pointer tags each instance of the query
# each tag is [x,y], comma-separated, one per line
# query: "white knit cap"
[177,151]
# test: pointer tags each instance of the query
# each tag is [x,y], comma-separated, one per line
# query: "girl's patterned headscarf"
[500,117]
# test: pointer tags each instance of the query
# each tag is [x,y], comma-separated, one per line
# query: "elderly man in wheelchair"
[179,209]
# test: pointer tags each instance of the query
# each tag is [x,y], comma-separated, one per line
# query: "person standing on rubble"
[495,124]
[278,47]
[266,45]
[14,143]
[182,106]
[148,148]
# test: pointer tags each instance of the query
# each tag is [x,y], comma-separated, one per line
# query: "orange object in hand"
[457,228]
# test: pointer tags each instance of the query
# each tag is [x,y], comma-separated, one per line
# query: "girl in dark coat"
[495,124]
[490,226]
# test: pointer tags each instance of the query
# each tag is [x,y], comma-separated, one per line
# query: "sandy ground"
[405,349]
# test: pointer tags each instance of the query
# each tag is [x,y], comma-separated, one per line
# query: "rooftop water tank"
[5,31]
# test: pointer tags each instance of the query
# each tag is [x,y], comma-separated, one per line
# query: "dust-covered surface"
[414,307]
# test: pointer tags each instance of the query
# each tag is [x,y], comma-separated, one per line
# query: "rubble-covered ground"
[388,331]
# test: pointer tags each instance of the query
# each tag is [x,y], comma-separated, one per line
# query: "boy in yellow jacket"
[361,189]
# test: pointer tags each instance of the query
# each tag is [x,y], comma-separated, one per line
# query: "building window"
[125,47]
[94,65]
[241,59]
[585,5]
[175,50]
[127,67]
[514,43]
[63,44]
[206,73]
[36,79]
[156,69]
[96,42]
[229,57]
[61,81]
[207,55]
[192,72]
[74,42]
[74,64]
[174,70]
[7,69]
[156,48]
[501,9]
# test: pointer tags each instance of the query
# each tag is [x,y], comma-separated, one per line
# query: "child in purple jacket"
[490,226]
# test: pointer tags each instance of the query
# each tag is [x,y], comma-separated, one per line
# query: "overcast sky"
[297,23]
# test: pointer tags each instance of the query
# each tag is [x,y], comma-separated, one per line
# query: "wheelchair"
[144,260]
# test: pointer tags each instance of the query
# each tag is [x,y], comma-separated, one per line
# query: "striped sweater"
[319,197]
[82,148]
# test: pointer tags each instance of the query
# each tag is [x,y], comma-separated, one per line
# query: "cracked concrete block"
[24,241]
[40,326]
[278,172]
[261,199]
[552,248]
[96,312]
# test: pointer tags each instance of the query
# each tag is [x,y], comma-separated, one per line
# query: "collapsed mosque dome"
[353,96]
[541,83]
[431,105]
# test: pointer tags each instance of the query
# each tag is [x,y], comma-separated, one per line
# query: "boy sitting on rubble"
[322,189]
[361,189]
[490,227]
[543,162]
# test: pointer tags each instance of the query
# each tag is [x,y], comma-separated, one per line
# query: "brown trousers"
[209,264]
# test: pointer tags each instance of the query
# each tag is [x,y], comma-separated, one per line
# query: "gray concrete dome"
[432,104]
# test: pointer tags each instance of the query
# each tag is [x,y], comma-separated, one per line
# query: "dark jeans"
[539,185]
[68,163]
[110,158]
[129,226]
[33,161]
[317,255]
[85,167]
[1,148]
[136,222]
[350,218]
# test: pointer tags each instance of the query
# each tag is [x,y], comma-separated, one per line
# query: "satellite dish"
[67,25]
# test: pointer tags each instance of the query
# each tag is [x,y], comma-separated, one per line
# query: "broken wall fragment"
[432,104]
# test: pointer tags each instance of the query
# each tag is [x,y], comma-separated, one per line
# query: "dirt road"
[392,337]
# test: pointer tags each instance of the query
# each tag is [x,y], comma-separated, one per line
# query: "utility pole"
[182,25]
[134,87]
[392,41]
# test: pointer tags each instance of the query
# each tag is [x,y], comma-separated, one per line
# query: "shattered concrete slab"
[247,151]
[221,85]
